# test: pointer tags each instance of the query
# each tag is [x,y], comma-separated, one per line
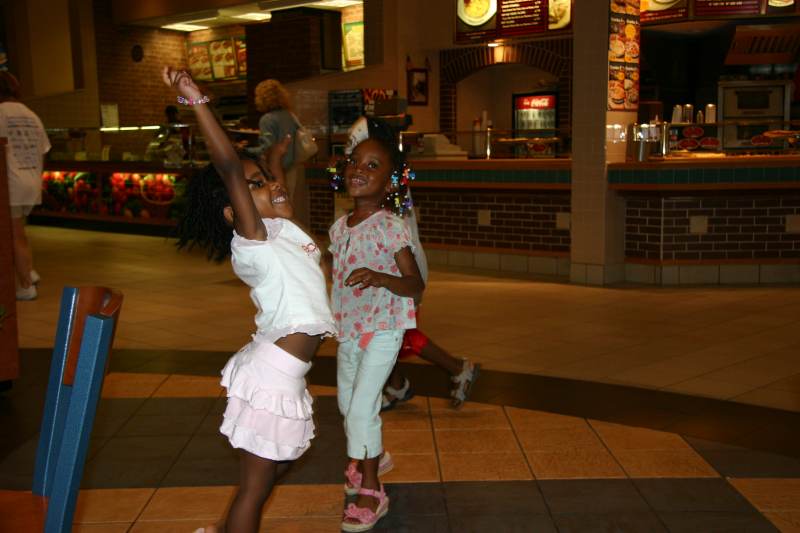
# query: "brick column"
[597,253]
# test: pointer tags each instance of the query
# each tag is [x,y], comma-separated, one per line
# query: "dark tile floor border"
[734,424]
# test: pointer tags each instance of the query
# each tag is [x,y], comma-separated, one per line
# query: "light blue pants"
[360,376]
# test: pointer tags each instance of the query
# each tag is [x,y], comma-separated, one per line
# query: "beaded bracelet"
[192,101]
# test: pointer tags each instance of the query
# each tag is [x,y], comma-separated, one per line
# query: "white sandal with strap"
[464,381]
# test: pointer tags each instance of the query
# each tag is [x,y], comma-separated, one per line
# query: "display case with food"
[109,193]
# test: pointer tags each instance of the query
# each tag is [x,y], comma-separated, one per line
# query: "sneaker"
[392,396]
[464,381]
[27,294]
[35,277]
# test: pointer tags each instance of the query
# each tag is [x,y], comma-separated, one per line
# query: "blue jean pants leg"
[361,374]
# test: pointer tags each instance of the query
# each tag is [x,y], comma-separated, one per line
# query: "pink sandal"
[353,477]
[366,518]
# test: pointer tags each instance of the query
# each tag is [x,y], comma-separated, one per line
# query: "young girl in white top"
[375,282]
[236,207]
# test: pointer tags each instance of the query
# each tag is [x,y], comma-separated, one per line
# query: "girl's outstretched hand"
[182,82]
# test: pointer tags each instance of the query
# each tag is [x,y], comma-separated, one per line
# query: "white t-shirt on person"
[27,144]
[286,281]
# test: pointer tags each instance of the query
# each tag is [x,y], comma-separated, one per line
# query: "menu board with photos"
[653,11]
[241,56]
[713,8]
[200,62]
[223,59]
[783,7]
[623,55]
[657,11]
[486,20]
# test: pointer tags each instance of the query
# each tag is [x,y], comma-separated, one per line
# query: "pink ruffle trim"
[264,434]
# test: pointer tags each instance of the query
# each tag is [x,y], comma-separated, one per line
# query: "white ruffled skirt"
[269,407]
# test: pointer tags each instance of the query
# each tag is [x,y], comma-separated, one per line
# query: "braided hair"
[202,223]
[398,199]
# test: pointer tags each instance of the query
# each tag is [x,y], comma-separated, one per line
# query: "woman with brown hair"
[278,121]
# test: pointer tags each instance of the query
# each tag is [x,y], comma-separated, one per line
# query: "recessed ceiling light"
[337,3]
[182,26]
[254,16]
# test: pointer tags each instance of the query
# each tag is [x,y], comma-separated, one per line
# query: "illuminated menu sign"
[657,11]
[623,56]
[716,8]
[487,20]
[664,10]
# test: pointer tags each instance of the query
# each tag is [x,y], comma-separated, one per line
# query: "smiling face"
[270,198]
[368,171]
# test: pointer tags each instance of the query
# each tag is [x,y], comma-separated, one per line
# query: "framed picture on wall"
[417,79]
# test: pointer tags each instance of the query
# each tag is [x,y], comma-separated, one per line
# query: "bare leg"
[23,257]
[435,354]
[396,379]
[257,477]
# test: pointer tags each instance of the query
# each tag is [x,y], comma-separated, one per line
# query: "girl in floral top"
[375,283]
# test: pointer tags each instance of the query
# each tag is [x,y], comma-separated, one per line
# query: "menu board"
[623,55]
[783,7]
[241,56]
[344,108]
[200,62]
[486,20]
[223,59]
[353,43]
[716,8]
[664,10]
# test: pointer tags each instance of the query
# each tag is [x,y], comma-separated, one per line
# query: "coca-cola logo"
[536,102]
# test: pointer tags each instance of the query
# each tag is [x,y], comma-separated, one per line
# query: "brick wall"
[554,56]
[135,87]
[288,48]
[521,221]
[739,228]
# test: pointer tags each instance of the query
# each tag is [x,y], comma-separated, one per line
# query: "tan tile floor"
[736,343]
[444,446]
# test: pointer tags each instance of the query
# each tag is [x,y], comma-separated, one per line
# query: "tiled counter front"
[521,202]
[727,221]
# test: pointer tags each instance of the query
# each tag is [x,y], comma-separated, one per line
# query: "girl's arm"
[246,219]
[408,284]
[273,157]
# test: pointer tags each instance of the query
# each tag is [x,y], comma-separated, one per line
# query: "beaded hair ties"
[192,101]
[397,199]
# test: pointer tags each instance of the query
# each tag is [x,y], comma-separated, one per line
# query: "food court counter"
[716,220]
[499,214]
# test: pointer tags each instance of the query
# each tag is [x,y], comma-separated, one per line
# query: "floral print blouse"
[371,244]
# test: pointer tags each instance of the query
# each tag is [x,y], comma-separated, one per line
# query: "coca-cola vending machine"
[534,118]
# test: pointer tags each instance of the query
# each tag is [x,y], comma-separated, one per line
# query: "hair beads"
[398,199]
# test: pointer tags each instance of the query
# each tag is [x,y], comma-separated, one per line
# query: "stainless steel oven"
[760,105]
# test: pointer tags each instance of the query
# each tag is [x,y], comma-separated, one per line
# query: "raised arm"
[246,220]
